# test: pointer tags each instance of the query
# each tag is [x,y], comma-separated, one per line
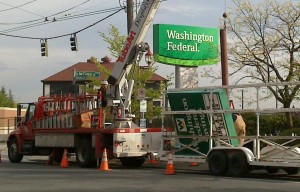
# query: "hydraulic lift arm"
[132,51]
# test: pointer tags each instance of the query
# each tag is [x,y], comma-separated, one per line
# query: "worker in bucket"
[103,89]
[240,127]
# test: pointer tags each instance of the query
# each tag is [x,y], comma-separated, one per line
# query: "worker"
[103,89]
[240,127]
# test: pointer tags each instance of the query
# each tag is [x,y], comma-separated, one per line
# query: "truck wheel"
[84,153]
[272,170]
[218,163]
[133,162]
[238,165]
[13,154]
[291,170]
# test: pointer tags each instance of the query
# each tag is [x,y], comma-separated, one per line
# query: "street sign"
[84,75]
[143,106]
[142,93]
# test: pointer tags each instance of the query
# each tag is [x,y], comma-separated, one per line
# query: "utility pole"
[129,15]
[224,58]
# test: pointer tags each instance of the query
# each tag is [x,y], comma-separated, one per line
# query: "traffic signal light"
[44,48]
[73,42]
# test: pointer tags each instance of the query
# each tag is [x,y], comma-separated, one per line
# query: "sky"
[21,66]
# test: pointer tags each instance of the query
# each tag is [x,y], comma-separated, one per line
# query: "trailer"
[204,132]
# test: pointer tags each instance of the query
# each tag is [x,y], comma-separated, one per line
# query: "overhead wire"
[3,10]
[46,16]
[58,19]
[22,9]
[68,34]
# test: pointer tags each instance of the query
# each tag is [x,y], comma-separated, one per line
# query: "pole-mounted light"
[149,58]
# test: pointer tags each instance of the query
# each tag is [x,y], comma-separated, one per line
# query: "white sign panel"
[143,106]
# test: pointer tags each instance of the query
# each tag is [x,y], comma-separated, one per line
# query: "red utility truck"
[74,122]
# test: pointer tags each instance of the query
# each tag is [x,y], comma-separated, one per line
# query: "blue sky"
[21,66]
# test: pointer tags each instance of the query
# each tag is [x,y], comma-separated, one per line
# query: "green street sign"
[185,45]
[84,75]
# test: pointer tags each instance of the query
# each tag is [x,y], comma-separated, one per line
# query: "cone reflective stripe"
[170,167]
[64,162]
[104,163]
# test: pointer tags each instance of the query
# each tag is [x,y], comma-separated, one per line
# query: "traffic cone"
[193,164]
[170,167]
[104,163]
[64,162]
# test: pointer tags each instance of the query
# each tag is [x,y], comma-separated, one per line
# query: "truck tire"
[238,165]
[84,153]
[132,162]
[291,170]
[218,163]
[13,154]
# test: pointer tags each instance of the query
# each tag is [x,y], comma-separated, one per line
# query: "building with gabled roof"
[64,82]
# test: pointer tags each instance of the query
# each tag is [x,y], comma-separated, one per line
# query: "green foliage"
[6,100]
[269,124]
[115,40]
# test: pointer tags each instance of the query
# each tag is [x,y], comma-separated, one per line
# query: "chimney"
[105,60]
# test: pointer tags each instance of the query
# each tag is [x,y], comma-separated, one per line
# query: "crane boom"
[131,48]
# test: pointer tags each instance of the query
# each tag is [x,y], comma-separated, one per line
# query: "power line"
[22,9]
[55,37]
[46,16]
[16,6]
[36,24]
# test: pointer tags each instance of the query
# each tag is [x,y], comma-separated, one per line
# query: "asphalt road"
[34,176]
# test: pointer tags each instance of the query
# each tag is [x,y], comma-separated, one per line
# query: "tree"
[6,100]
[265,45]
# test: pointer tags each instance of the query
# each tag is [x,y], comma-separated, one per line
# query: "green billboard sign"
[185,45]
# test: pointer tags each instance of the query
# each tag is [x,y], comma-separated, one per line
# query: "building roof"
[67,74]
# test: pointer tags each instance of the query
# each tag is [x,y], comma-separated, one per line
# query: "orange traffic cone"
[170,167]
[193,164]
[104,163]
[64,162]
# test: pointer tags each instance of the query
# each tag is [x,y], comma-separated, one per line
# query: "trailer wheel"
[13,154]
[291,170]
[218,163]
[133,162]
[272,170]
[238,165]
[84,153]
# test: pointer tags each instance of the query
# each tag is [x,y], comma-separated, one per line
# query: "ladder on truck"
[266,151]
[65,111]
